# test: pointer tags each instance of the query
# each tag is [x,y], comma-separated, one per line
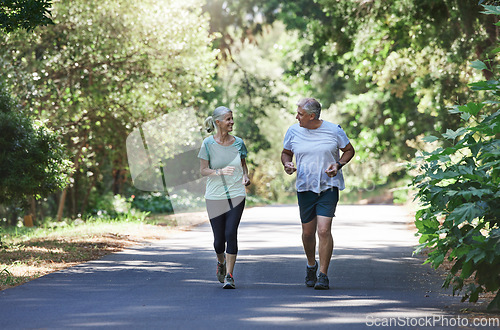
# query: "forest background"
[387,72]
[413,84]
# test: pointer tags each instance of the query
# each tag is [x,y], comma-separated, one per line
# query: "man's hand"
[289,168]
[332,170]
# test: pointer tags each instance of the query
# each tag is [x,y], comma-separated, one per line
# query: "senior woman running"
[222,161]
[316,144]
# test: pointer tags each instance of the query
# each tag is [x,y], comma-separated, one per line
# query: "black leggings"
[225,219]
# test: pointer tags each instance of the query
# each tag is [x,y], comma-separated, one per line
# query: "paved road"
[171,284]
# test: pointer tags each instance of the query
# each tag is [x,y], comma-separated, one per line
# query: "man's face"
[303,117]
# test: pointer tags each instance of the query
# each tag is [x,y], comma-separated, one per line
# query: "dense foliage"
[385,71]
[459,189]
[25,14]
[33,162]
[101,70]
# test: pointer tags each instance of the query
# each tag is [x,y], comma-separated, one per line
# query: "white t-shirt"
[315,150]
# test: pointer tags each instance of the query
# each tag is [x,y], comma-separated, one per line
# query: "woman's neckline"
[225,145]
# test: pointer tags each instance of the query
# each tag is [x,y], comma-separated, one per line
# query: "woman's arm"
[205,169]
[246,180]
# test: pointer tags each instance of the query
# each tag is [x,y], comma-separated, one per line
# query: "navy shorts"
[312,204]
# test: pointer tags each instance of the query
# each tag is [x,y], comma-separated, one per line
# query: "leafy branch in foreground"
[459,190]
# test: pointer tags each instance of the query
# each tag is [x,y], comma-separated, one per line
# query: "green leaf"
[479,65]
[484,85]
[466,194]
[472,108]
[495,10]
[430,139]
[437,260]
[452,135]
[480,192]
[475,148]
[496,50]
[479,257]
[465,116]
[465,212]
[495,303]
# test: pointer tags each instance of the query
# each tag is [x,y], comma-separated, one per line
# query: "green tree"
[385,71]
[459,191]
[33,164]
[105,67]
[24,14]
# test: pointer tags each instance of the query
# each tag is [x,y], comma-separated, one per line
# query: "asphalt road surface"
[171,284]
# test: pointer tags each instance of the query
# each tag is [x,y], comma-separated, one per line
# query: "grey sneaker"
[323,282]
[311,275]
[221,271]
[229,282]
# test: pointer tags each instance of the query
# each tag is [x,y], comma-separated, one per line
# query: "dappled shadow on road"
[158,285]
[172,284]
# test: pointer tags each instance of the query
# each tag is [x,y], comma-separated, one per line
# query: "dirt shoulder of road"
[27,259]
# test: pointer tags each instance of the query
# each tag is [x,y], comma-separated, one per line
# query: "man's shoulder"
[331,126]
[294,127]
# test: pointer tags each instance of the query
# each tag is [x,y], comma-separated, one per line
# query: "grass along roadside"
[29,253]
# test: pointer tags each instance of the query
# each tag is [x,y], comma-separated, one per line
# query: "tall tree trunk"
[87,195]
[29,219]
[60,209]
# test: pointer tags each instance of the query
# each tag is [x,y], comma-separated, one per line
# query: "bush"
[459,190]
[153,202]
[33,161]
[110,206]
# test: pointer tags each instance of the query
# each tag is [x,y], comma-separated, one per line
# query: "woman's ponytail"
[210,126]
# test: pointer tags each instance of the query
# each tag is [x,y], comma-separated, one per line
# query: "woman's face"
[226,123]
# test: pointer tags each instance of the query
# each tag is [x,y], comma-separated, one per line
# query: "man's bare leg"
[309,241]
[325,246]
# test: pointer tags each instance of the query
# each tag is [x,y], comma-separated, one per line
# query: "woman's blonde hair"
[219,113]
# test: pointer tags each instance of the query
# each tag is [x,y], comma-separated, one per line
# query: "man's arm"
[286,160]
[347,154]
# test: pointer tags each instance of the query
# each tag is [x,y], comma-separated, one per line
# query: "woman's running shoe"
[229,282]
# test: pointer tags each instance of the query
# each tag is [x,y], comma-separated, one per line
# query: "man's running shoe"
[221,271]
[229,282]
[311,275]
[323,282]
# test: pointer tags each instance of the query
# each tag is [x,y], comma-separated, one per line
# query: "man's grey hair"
[311,106]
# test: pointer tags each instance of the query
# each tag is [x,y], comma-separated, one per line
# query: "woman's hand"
[246,180]
[228,170]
